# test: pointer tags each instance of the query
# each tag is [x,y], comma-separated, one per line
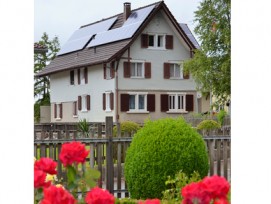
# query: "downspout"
[117,91]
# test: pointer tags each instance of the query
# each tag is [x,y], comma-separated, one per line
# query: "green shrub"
[208,125]
[174,185]
[127,126]
[83,127]
[160,149]
[221,116]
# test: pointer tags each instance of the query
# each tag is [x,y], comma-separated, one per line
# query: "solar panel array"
[127,30]
[189,35]
[81,37]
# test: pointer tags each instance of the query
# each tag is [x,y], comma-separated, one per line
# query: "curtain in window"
[141,104]
[131,101]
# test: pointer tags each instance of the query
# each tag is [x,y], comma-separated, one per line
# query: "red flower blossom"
[150,201]
[39,179]
[47,165]
[221,201]
[216,186]
[99,196]
[195,191]
[55,195]
[73,152]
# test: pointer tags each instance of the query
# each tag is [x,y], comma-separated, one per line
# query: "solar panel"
[189,34]
[127,30]
[138,15]
[81,36]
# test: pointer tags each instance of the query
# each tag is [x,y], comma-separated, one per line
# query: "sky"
[62,17]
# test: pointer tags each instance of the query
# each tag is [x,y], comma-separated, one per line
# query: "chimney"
[127,10]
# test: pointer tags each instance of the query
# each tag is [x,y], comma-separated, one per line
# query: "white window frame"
[107,101]
[58,111]
[177,65]
[155,39]
[84,103]
[82,76]
[136,62]
[176,109]
[137,110]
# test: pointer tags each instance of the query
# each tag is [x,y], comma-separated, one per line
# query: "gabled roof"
[109,42]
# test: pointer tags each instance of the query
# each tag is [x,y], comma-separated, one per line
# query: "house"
[128,66]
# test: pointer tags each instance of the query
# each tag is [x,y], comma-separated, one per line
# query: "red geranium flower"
[39,179]
[216,186]
[221,201]
[47,165]
[73,152]
[150,201]
[55,195]
[99,196]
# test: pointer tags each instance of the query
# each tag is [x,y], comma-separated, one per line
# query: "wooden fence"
[107,153]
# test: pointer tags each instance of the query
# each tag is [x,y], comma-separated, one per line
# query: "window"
[74,108]
[58,111]
[177,102]
[82,75]
[84,103]
[161,41]
[176,71]
[109,71]
[137,69]
[140,102]
[108,101]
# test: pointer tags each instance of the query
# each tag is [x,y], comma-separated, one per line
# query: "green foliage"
[126,201]
[42,84]
[160,149]
[127,126]
[221,116]
[174,185]
[211,65]
[83,127]
[208,125]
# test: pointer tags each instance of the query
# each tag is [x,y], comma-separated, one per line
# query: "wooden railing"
[107,153]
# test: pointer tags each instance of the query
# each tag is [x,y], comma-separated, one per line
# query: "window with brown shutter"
[60,111]
[164,102]
[72,77]
[112,67]
[104,70]
[189,102]
[147,70]
[126,69]
[112,101]
[88,102]
[144,41]
[104,101]
[79,102]
[55,110]
[75,108]
[78,76]
[151,102]
[166,70]
[169,41]
[124,102]
[86,75]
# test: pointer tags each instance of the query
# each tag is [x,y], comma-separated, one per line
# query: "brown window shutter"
[79,102]
[74,108]
[164,102]
[72,77]
[151,102]
[112,70]
[126,69]
[124,102]
[86,75]
[78,76]
[144,40]
[147,70]
[104,100]
[169,42]
[189,102]
[104,70]
[60,110]
[88,102]
[186,75]
[112,101]
[55,110]
[166,70]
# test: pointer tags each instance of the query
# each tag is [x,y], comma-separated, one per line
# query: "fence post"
[109,155]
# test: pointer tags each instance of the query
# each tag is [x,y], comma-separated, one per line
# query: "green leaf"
[91,176]
[71,174]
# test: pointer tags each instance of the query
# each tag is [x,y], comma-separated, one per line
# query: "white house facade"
[130,78]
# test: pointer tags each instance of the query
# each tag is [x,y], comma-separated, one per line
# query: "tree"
[42,84]
[211,64]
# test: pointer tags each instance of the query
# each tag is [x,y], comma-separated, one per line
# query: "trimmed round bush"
[161,149]
[208,125]
[128,127]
